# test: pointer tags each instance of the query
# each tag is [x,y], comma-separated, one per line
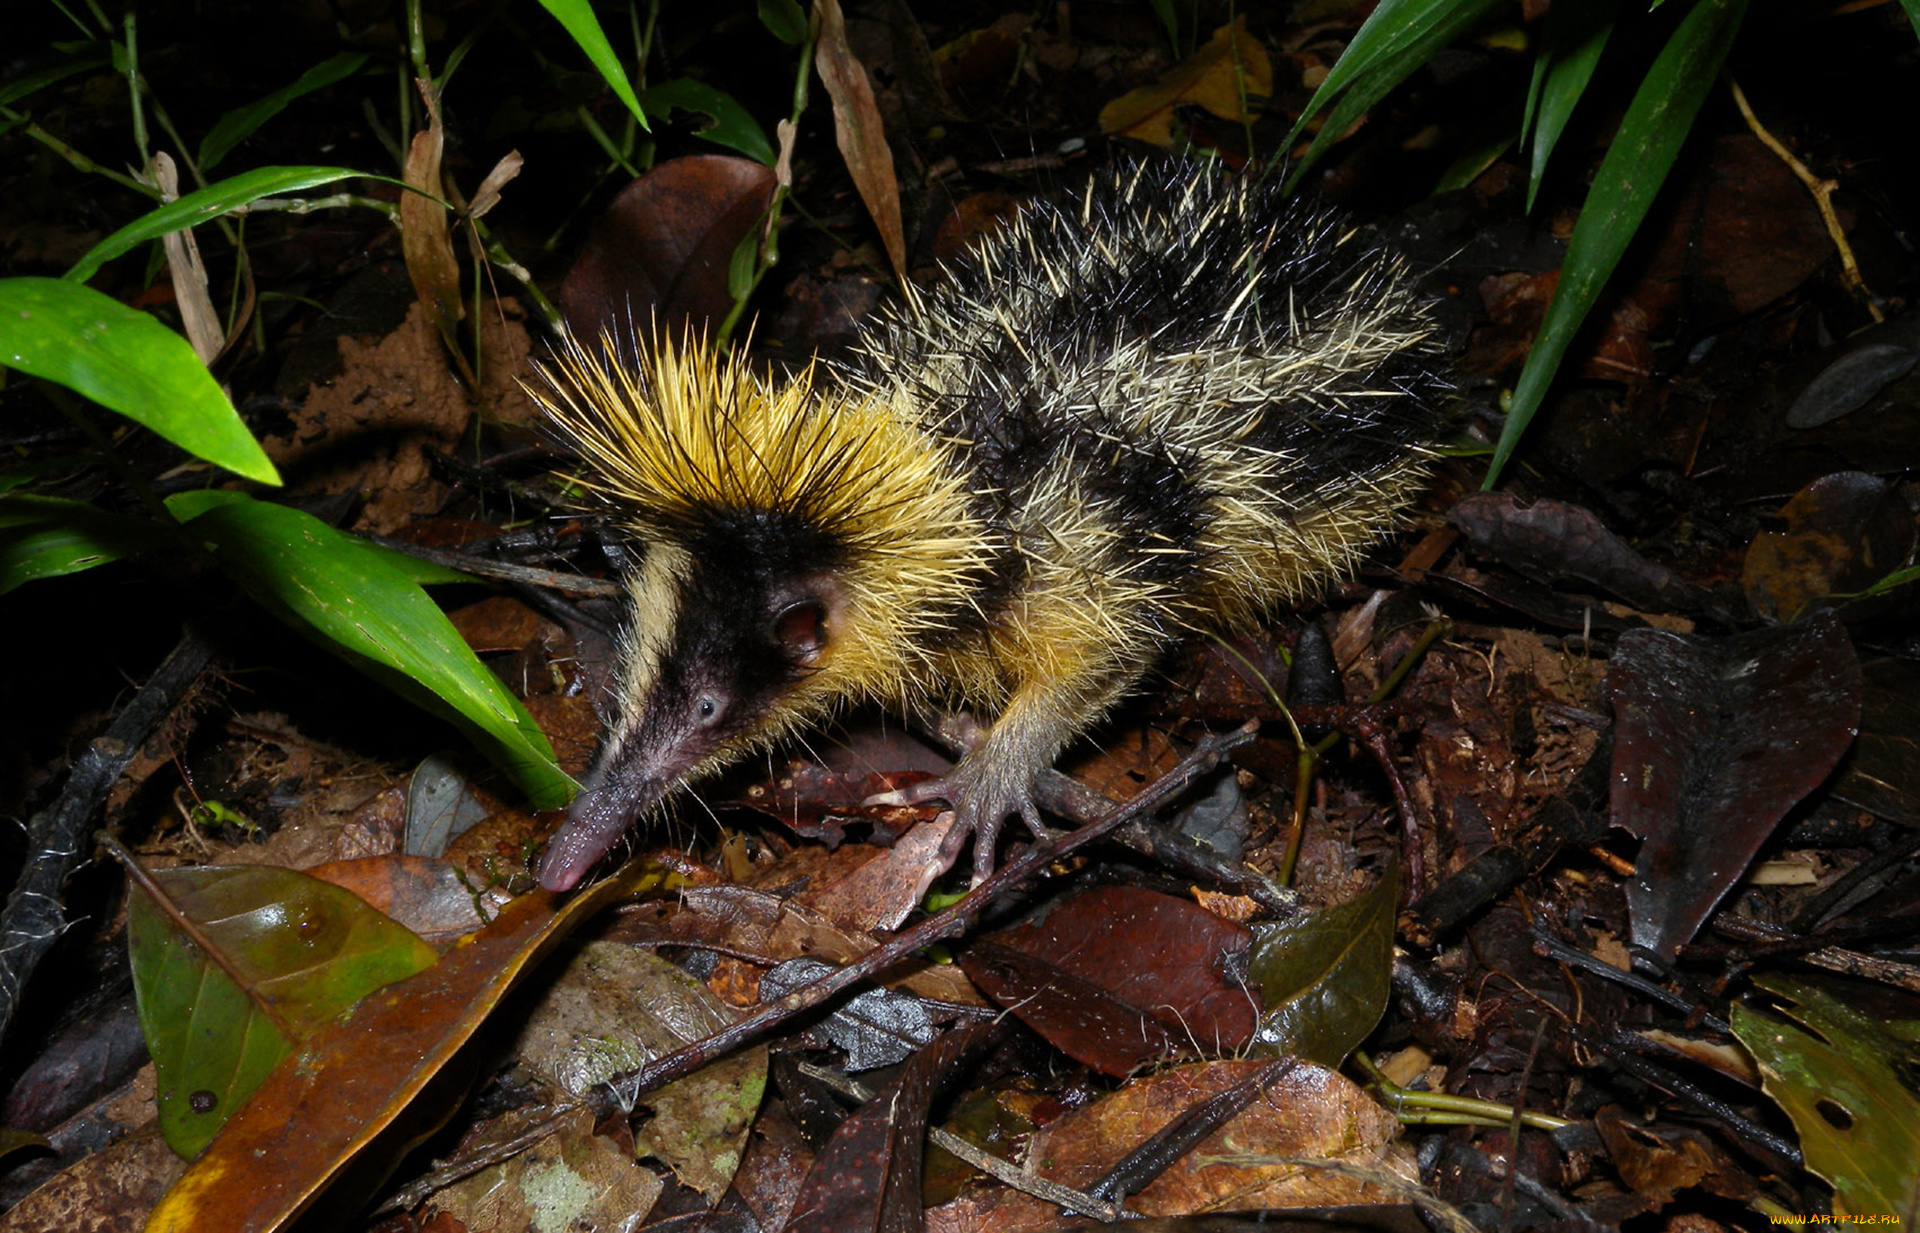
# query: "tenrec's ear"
[800,630]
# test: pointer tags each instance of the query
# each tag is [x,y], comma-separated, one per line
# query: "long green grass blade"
[576,17]
[1574,37]
[242,122]
[1651,133]
[207,204]
[1380,60]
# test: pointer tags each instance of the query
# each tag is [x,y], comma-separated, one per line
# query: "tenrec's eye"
[707,709]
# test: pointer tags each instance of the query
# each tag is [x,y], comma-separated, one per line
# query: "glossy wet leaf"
[127,362]
[364,603]
[353,1078]
[1715,739]
[209,203]
[1636,164]
[1119,977]
[264,958]
[1848,1083]
[45,537]
[1323,976]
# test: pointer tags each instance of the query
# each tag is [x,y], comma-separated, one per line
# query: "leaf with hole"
[1847,1079]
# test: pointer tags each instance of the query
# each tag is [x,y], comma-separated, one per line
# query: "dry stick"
[1062,794]
[630,1086]
[1139,1167]
[33,919]
[1615,1045]
[1822,191]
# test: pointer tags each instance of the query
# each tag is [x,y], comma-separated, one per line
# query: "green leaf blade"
[1382,56]
[49,537]
[1846,1081]
[729,124]
[242,122]
[1643,151]
[127,362]
[576,17]
[1324,976]
[365,604]
[1575,36]
[208,203]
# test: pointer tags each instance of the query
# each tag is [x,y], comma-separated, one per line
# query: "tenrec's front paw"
[980,807]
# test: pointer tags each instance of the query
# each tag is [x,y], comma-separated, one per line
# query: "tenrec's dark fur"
[1162,407]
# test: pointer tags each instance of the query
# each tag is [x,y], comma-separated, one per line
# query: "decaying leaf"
[1717,738]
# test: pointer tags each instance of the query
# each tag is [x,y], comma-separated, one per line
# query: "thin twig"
[1822,191]
[939,927]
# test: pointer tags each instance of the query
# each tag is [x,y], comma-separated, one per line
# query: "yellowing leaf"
[1223,77]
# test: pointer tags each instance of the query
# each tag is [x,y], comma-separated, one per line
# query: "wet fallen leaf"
[1118,977]
[1844,532]
[1553,541]
[571,1179]
[237,968]
[1716,739]
[656,261]
[617,1007]
[1657,1161]
[1253,1162]
[110,1191]
[357,1075]
[868,1176]
[1323,975]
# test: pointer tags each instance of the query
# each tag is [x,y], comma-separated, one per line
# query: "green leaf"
[576,17]
[45,537]
[1847,1083]
[240,123]
[729,125]
[1574,37]
[1657,122]
[266,958]
[787,21]
[209,203]
[33,83]
[127,362]
[1913,13]
[186,506]
[364,604]
[1398,38]
[1323,976]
